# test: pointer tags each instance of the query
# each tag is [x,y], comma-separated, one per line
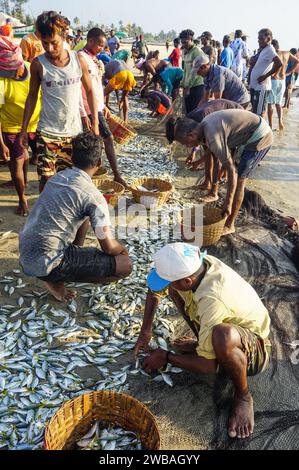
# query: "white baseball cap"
[172,263]
[202,59]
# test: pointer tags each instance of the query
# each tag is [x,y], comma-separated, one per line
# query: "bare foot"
[228,230]
[23,209]
[241,420]
[184,345]
[209,198]
[281,126]
[60,292]
[205,186]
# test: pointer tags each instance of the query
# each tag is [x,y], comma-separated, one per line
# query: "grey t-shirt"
[68,198]
[115,66]
[232,128]
[225,81]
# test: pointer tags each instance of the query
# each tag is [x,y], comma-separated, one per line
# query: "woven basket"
[74,419]
[122,132]
[147,198]
[105,185]
[99,175]
[213,224]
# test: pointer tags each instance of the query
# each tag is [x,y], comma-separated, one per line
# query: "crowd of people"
[55,99]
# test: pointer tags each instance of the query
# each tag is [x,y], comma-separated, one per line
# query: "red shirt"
[175,57]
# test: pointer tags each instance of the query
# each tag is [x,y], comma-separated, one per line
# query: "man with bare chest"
[278,84]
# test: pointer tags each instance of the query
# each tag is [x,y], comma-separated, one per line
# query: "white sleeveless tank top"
[61,93]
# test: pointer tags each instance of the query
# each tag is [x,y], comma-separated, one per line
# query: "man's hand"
[86,123]
[195,165]
[23,139]
[106,112]
[120,180]
[262,78]
[5,153]
[190,159]
[95,128]
[142,342]
[155,361]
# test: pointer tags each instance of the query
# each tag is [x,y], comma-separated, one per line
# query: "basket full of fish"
[104,420]
[151,191]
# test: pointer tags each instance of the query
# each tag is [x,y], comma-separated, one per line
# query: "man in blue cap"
[228,319]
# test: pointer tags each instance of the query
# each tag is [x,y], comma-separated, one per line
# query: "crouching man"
[51,243]
[226,315]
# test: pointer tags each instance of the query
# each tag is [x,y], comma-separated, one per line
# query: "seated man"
[224,132]
[226,315]
[220,82]
[51,243]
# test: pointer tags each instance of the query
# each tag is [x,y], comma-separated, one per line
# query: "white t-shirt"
[263,66]
[113,43]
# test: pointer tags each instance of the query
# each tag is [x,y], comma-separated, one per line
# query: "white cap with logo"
[174,262]
[202,59]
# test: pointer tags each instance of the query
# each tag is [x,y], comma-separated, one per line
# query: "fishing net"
[194,413]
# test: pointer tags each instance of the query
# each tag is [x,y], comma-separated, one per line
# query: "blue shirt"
[225,81]
[227,57]
[170,76]
[105,58]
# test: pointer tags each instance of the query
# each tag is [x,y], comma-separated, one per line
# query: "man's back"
[284,57]
[68,198]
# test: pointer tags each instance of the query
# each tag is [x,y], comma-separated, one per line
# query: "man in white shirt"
[263,65]
[113,42]
[96,41]
[240,51]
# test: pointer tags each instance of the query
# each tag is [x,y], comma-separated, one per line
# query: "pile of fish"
[49,354]
[112,438]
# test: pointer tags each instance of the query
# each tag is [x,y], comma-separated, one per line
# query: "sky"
[218,16]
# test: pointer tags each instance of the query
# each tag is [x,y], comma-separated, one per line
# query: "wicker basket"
[75,418]
[105,185]
[213,224]
[99,175]
[122,132]
[148,198]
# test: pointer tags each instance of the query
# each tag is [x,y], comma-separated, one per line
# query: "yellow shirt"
[223,296]
[13,95]
[31,47]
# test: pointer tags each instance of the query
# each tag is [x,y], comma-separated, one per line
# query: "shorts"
[249,160]
[290,81]
[194,97]
[104,129]
[259,101]
[123,80]
[15,150]
[256,350]
[277,92]
[81,264]
[54,154]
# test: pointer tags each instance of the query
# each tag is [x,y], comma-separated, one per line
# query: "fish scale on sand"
[45,348]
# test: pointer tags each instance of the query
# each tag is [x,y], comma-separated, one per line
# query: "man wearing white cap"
[220,82]
[226,315]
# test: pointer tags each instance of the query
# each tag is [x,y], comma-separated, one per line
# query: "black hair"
[238,33]
[87,150]
[176,41]
[50,22]
[143,93]
[187,34]
[293,51]
[183,127]
[95,33]
[266,32]
[275,44]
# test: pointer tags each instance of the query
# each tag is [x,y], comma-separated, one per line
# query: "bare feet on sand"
[241,420]
[281,126]
[60,292]
[184,345]
[208,198]
[228,230]
[23,209]
[205,186]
